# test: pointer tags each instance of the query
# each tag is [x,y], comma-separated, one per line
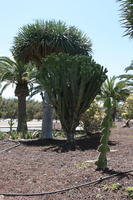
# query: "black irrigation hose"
[66,189]
[8,149]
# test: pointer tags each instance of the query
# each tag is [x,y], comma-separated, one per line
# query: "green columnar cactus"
[106,124]
[72,82]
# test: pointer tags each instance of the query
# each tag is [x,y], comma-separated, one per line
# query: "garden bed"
[36,166]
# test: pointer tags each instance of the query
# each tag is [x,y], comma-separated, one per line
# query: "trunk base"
[70,144]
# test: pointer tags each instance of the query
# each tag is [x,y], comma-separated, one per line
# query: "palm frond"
[7,61]
[126,76]
[4,87]
[126,8]
[129,68]
[117,90]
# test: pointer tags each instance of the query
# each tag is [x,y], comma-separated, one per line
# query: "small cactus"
[106,124]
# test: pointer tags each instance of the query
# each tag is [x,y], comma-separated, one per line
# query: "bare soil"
[38,166]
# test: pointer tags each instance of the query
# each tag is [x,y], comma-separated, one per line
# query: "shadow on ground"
[60,145]
[119,174]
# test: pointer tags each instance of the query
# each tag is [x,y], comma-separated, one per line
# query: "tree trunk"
[70,140]
[22,92]
[22,124]
[114,114]
[114,110]
[47,118]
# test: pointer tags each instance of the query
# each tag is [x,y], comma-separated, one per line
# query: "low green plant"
[82,165]
[99,196]
[80,134]
[28,135]
[59,134]
[115,186]
[129,191]
[2,136]
[22,135]
[14,135]
[105,187]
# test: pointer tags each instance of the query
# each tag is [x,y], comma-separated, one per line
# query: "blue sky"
[100,20]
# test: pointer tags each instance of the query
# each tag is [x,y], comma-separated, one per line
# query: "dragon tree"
[40,39]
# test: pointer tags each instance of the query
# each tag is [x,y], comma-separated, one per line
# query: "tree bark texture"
[70,140]
[22,92]
[47,120]
[22,124]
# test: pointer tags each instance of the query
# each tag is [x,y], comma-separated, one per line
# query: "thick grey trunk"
[47,118]
[22,124]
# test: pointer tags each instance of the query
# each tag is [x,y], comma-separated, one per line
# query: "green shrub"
[3,136]
[116,186]
[99,196]
[92,118]
[59,134]
[14,135]
[29,135]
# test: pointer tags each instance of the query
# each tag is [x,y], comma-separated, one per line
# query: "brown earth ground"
[36,167]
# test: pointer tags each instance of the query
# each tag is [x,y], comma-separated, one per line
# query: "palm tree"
[127,16]
[128,77]
[17,73]
[38,40]
[115,90]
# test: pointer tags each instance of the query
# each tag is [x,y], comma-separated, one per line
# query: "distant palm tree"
[19,74]
[38,40]
[116,90]
[128,77]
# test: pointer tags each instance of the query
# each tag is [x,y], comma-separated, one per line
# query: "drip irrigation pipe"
[68,188]
[8,149]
